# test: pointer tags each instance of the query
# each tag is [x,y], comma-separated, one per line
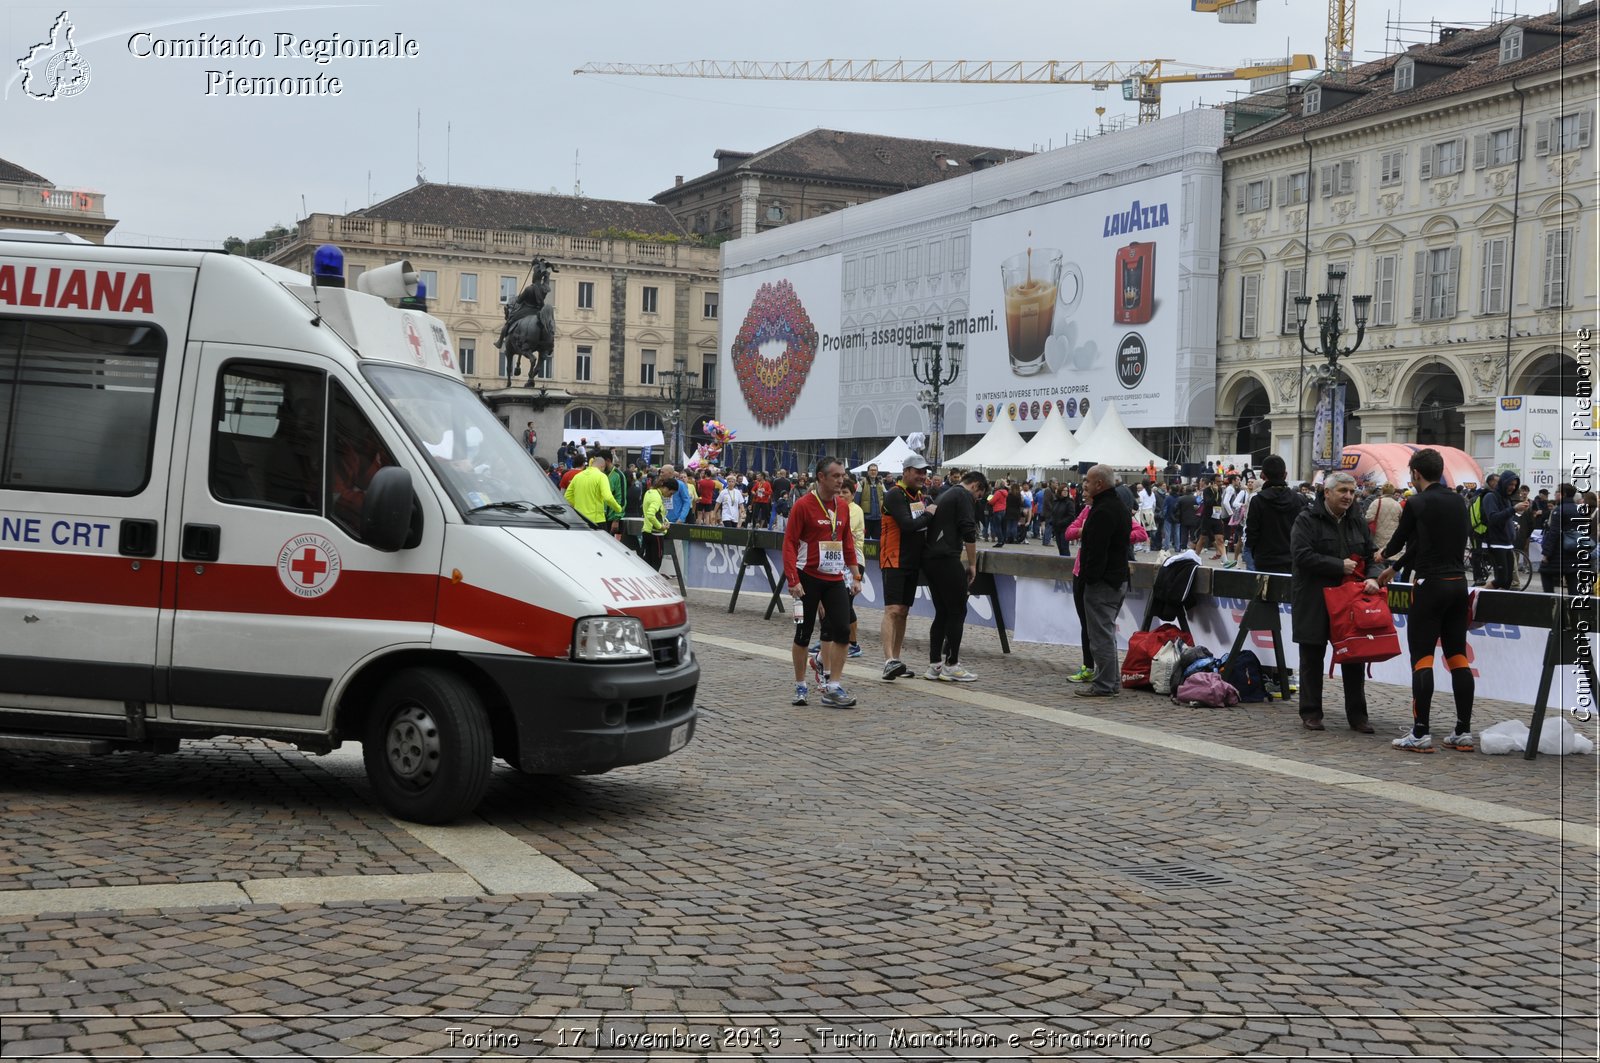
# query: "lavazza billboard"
[1075,278]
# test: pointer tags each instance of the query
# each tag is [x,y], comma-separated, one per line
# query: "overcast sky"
[178,165]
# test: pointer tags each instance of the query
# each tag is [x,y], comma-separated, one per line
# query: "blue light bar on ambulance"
[327,267]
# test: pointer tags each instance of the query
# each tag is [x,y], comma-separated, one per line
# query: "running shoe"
[1410,743]
[932,672]
[855,650]
[1082,675]
[1463,741]
[954,673]
[894,669]
[817,670]
[800,693]
[835,696]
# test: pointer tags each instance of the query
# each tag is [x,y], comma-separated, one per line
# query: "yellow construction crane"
[1141,79]
[1338,46]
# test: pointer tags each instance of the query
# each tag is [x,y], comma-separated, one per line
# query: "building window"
[645,421]
[469,287]
[586,295]
[508,289]
[1390,167]
[651,297]
[1570,132]
[1492,277]
[584,370]
[1443,159]
[1405,75]
[1557,254]
[1499,148]
[1511,45]
[1294,285]
[708,372]
[712,305]
[1257,195]
[1338,178]
[467,352]
[546,368]
[505,365]
[1385,273]
[1435,296]
[1292,188]
[1249,305]
[1311,102]
[582,419]
[428,283]
[647,367]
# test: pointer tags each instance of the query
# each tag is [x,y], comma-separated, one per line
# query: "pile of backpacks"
[1167,661]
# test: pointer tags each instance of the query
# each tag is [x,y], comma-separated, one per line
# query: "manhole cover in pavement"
[1175,876]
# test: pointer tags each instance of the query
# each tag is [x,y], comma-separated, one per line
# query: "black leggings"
[947,586]
[1438,614]
[1083,623]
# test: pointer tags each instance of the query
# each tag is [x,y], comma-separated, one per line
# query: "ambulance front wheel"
[428,747]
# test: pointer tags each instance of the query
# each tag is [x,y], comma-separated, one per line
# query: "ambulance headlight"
[609,638]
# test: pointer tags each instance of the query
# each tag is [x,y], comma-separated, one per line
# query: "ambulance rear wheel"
[428,747]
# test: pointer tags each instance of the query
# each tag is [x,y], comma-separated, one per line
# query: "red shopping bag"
[1142,648]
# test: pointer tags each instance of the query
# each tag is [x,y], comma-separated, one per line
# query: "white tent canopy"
[996,450]
[1050,451]
[892,458]
[1110,443]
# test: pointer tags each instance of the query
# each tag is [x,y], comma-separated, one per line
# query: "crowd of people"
[927,529]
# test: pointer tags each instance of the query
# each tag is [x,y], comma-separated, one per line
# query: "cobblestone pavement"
[975,871]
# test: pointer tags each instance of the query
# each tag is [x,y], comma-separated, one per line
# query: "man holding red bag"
[1329,545]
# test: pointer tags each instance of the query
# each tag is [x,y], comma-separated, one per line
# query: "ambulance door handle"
[137,538]
[202,542]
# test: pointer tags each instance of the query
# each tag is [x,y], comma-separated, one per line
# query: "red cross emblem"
[309,565]
[415,339]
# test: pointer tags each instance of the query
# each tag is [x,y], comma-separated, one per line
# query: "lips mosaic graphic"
[771,385]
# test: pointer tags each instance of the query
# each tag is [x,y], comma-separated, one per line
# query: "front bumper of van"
[577,718]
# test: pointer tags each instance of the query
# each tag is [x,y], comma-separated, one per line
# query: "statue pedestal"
[546,407]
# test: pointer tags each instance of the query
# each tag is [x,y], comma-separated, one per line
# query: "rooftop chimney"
[677,181]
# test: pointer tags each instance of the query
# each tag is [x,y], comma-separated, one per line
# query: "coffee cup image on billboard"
[1135,271]
[1039,287]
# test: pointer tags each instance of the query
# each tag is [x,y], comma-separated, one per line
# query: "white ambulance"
[237,500]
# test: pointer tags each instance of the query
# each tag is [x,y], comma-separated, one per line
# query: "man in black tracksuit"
[949,565]
[1433,536]
[1270,518]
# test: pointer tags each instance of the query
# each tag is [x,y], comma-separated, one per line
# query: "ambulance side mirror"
[386,509]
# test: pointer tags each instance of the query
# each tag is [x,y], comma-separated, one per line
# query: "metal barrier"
[1571,620]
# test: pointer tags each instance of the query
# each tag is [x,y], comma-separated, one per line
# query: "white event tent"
[1110,443]
[996,450]
[1050,452]
[891,460]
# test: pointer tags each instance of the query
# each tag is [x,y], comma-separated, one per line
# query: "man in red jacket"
[822,567]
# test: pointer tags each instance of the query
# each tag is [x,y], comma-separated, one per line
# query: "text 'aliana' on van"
[237,500]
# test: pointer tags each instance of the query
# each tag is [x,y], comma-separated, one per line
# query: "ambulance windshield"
[477,459]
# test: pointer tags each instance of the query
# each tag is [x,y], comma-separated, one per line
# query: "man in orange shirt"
[905,518]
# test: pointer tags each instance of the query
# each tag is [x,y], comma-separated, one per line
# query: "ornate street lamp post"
[929,367]
[1330,325]
[679,385]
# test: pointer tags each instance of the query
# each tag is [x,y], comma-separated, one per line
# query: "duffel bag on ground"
[1195,659]
[1142,647]
[1206,689]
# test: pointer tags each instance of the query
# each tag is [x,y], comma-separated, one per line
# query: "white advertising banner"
[1078,303]
[1504,657]
[1548,440]
[781,348]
